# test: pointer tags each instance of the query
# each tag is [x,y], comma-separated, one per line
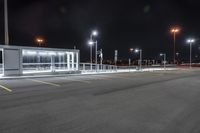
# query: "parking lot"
[139,102]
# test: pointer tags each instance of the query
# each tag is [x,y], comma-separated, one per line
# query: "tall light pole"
[91,42]
[164,55]
[96,53]
[139,51]
[94,33]
[190,41]
[6,22]
[101,56]
[174,31]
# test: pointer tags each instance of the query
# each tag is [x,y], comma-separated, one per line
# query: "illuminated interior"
[37,61]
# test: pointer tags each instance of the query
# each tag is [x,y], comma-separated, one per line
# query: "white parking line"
[5,88]
[74,80]
[44,82]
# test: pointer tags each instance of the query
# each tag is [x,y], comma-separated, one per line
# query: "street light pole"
[101,56]
[190,55]
[91,42]
[96,52]
[6,22]
[91,53]
[174,47]
[190,41]
[91,57]
[140,52]
[164,55]
[174,31]
[164,61]
[140,59]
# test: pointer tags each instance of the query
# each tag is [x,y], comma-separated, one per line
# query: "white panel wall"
[12,59]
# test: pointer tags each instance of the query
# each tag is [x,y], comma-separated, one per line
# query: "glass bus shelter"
[17,60]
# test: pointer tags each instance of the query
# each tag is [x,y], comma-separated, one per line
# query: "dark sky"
[121,24]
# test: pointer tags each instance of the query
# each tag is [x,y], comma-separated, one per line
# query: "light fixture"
[137,50]
[94,33]
[90,42]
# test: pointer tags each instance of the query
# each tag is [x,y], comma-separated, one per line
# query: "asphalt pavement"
[139,102]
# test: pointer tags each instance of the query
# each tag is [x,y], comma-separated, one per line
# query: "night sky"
[121,24]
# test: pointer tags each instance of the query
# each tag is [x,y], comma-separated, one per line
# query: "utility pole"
[6,22]
[101,56]
[140,59]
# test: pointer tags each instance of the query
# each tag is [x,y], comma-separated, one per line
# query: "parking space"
[26,84]
[90,103]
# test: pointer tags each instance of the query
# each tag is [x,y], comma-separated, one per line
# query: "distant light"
[190,41]
[137,50]
[40,41]
[131,49]
[90,42]
[95,33]
[161,54]
[175,30]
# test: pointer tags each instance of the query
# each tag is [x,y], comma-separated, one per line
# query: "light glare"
[175,30]
[190,41]
[131,49]
[90,42]
[94,33]
[137,50]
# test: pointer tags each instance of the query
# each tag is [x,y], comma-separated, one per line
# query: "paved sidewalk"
[86,73]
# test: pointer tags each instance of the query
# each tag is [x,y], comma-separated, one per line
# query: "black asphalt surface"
[148,102]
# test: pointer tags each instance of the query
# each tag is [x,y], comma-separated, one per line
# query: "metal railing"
[88,67]
[47,67]
[83,67]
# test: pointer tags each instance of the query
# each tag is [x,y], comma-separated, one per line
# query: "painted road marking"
[5,88]
[75,80]
[44,82]
[121,77]
[102,77]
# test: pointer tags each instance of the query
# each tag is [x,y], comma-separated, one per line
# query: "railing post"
[98,67]
[52,63]
[83,66]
